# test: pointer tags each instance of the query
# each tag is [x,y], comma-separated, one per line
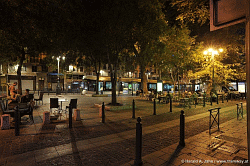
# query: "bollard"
[195,102]
[103,113]
[239,110]
[133,113]
[170,99]
[217,99]
[211,100]
[70,116]
[182,129]
[17,121]
[204,100]
[154,108]
[222,98]
[138,146]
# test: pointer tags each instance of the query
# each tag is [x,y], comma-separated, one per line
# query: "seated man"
[25,96]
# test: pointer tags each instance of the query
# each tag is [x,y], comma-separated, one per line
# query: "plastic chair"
[40,98]
[31,97]
[54,103]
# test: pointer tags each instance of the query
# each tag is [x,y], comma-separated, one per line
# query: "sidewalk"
[90,141]
[225,147]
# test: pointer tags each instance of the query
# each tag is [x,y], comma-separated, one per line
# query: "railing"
[239,110]
[215,114]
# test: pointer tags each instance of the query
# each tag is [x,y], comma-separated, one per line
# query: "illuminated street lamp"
[58,88]
[213,53]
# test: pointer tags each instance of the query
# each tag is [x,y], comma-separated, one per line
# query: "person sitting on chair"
[25,96]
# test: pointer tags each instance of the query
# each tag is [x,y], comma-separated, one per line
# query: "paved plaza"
[91,142]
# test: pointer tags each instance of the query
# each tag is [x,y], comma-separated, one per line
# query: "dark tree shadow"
[75,151]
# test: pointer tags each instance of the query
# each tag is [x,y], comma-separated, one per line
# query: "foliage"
[150,25]
[179,54]
[195,11]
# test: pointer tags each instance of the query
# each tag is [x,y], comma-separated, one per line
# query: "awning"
[55,74]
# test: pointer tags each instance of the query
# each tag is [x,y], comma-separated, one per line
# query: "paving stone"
[91,142]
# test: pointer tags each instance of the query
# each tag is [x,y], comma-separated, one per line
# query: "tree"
[150,25]
[29,27]
[228,65]
[191,11]
[179,54]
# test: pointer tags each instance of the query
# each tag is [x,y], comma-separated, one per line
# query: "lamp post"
[58,87]
[213,53]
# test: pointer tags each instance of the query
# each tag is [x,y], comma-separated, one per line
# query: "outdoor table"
[184,101]
[200,100]
[161,98]
[62,100]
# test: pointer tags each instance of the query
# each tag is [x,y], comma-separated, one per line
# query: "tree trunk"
[19,82]
[113,80]
[97,82]
[97,69]
[144,80]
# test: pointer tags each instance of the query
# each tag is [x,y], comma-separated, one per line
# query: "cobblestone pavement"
[91,142]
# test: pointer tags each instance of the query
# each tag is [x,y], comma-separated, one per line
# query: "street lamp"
[213,53]
[58,88]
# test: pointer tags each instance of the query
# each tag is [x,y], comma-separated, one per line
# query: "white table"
[62,100]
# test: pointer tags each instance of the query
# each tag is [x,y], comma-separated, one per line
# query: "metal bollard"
[239,110]
[204,100]
[103,113]
[170,99]
[195,102]
[182,129]
[217,99]
[70,116]
[211,100]
[138,146]
[133,113]
[154,108]
[17,121]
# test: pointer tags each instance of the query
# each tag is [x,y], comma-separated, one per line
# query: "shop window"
[108,85]
[44,68]
[68,76]
[24,68]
